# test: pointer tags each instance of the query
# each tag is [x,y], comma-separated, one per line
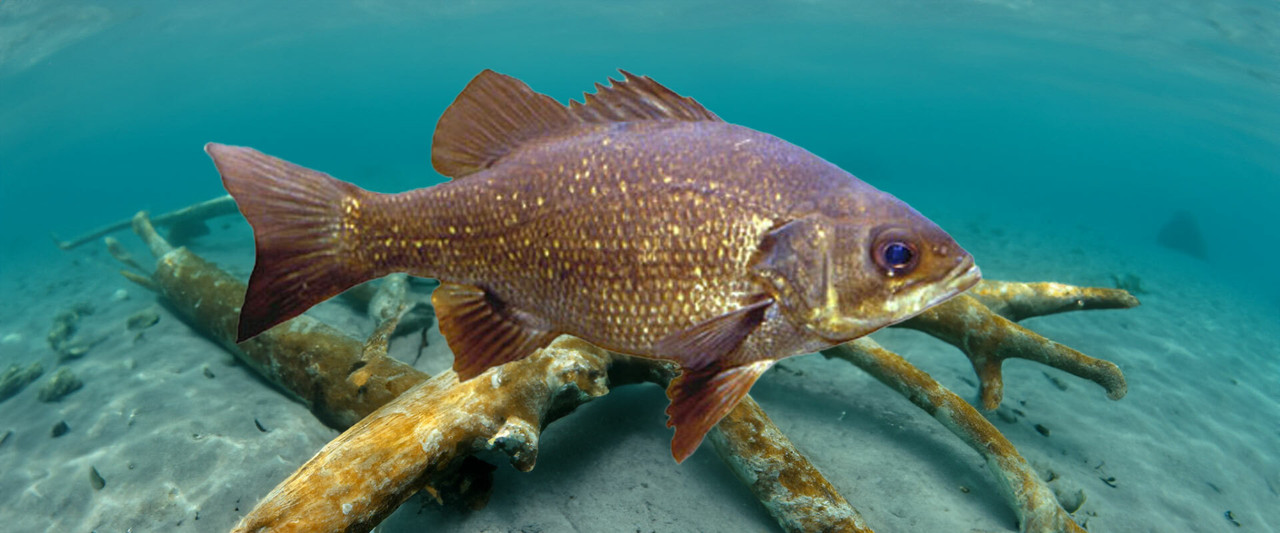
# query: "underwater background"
[1056,140]
[1110,115]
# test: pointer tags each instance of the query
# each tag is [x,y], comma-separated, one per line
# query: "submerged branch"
[982,326]
[193,214]
[1037,509]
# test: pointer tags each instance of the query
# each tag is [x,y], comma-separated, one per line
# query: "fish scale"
[598,256]
[637,221]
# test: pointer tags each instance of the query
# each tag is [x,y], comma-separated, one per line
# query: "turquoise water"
[1109,115]
[1098,118]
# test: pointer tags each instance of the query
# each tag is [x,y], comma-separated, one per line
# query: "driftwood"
[415,433]
[981,324]
[311,361]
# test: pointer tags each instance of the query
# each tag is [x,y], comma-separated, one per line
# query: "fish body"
[638,221]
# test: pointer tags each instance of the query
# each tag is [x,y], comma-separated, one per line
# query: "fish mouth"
[961,278]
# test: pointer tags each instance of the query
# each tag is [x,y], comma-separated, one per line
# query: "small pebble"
[120,295]
[143,319]
[15,378]
[1231,517]
[1006,415]
[1061,385]
[62,383]
[95,479]
[60,429]
[1070,500]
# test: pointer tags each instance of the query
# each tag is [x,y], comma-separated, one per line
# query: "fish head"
[842,277]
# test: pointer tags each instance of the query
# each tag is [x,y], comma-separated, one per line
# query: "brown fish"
[638,221]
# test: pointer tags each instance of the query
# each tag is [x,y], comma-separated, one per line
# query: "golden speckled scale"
[629,264]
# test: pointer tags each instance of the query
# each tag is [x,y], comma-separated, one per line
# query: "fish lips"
[960,278]
[963,277]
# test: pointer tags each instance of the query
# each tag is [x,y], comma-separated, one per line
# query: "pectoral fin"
[713,339]
[700,398]
[481,331]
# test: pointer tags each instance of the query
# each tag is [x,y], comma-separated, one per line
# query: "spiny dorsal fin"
[638,98]
[494,114]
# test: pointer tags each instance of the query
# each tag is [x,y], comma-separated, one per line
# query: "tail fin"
[298,218]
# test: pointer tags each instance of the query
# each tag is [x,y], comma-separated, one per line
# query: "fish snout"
[965,275]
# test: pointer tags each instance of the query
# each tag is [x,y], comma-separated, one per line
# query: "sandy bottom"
[186,439]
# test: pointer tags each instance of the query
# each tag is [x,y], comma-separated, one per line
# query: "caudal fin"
[298,217]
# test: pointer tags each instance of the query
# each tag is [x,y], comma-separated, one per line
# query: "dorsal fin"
[638,98]
[491,116]
[496,113]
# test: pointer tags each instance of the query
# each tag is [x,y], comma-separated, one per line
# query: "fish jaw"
[963,278]
[837,327]
[967,275]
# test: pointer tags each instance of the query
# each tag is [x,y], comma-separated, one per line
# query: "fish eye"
[896,256]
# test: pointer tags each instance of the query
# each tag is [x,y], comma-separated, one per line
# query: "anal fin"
[481,331]
[700,398]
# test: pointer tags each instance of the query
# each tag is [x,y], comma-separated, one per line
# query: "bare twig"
[220,206]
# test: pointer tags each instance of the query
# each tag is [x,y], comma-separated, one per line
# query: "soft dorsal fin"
[491,116]
[495,113]
[638,98]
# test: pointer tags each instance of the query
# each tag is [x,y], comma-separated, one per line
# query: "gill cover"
[796,262]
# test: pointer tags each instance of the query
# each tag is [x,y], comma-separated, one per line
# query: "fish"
[636,220]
